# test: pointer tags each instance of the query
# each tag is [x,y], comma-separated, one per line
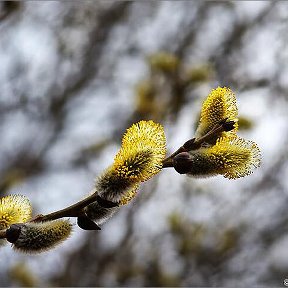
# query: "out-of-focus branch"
[7,8]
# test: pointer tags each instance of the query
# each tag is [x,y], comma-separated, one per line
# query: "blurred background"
[75,75]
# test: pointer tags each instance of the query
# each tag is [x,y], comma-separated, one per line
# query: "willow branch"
[74,210]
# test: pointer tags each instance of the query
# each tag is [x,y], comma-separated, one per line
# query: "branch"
[196,143]
[74,210]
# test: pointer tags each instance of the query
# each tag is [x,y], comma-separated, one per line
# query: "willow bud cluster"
[225,153]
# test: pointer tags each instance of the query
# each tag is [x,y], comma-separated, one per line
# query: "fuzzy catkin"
[42,236]
[140,157]
[219,105]
[231,157]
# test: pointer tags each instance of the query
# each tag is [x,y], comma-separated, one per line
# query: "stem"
[168,162]
[195,143]
[74,210]
[3,234]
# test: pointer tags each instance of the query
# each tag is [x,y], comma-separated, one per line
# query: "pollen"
[219,105]
[142,152]
[129,195]
[14,209]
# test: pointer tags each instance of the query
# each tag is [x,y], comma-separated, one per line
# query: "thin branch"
[74,210]
[196,143]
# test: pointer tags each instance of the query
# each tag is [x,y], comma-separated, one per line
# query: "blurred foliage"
[163,62]
[22,275]
[168,85]
[90,151]
[7,8]
[199,74]
[21,166]
[190,239]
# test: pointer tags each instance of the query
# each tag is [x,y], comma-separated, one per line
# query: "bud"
[85,223]
[98,213]
[128,196]
[183,162]
[141,140]
[117,180]
[33,237]
[14,209]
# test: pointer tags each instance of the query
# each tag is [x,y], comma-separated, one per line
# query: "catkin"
[39,237]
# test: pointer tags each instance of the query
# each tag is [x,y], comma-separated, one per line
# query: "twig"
[74,210]
[195,143]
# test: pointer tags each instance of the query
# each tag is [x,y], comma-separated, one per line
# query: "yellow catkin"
[142,152]
[40,237]
[220,104]
[14,209]
[140,157]
[234,157]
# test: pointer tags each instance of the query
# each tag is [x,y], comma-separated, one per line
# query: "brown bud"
[228,125]
[182,163]
[86,223]
[189,145]
[13,232]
